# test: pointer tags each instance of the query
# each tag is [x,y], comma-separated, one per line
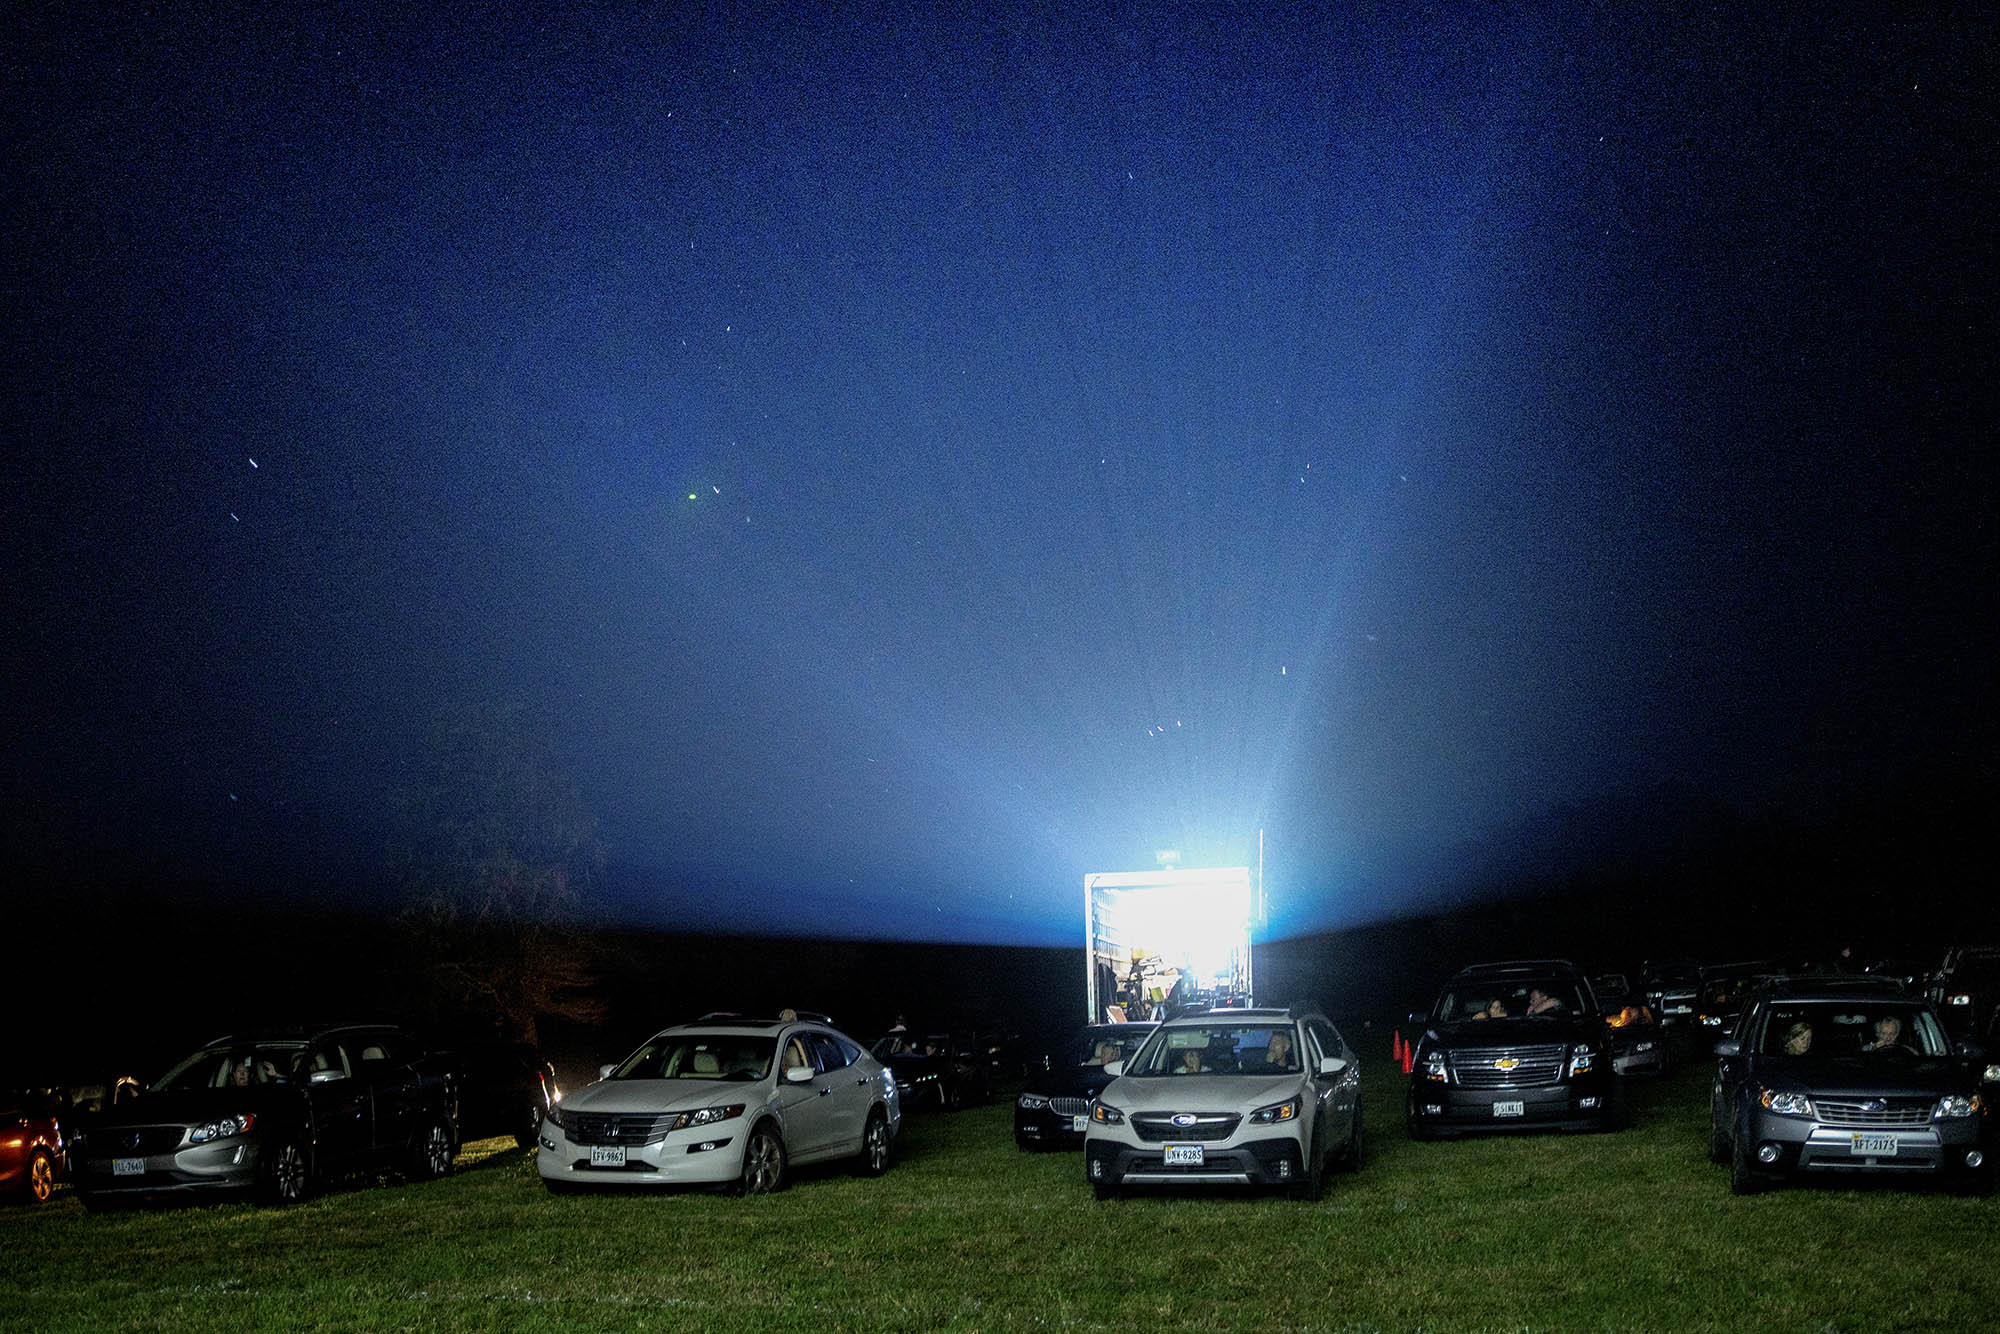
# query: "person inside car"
[1798,1039]
[1493,1009]
[1888,1035]
[1278,1052]
[1190,1062]
[1541,1002]
[1107,1052]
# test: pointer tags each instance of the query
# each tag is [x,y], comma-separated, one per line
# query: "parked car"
[1966,988]
[1239,1096]
[1638,1046]
[1725,987]
[506,1089]
[1514,1046]
[937,1070]
[273,1114]
[1825,1081]
[32,1153]
[1053,1110]
[1670,987]
[734,1102]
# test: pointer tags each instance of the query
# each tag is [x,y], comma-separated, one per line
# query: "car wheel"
[952,1096]
[1744,1178]
[529,1127]
[763,1163]
[1314,1184]
[41,1176]
[431,1152]
[877,1145]
[284,1172]
[1350,1157]
[1718,1138]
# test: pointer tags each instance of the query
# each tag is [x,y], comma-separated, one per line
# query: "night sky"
[903,463]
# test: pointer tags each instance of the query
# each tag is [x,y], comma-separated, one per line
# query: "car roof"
[742,1025]
[1252,1013]
[1519,968]
[1819,990]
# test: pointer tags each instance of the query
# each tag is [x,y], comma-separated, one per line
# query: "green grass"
[1627,1231]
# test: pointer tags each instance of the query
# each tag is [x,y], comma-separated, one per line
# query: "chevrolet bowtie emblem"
[1506,1063]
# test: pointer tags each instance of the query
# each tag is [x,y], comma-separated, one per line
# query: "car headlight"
[1786,1104]
[1276,1114]
[1031,1102]
[221,1128]
[707,1116]
[1958,1105]
[1581,1058]
[1434,1066]
[1992,1075]
[1104,1114]
[554,1116]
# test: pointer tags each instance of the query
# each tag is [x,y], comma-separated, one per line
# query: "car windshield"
[1851,1027]
[1218,1049]
[1102,1046]
[699,1056]
[237,1065]
[1510,998]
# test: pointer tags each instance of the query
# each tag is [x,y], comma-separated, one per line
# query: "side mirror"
[1729,1047]
[799,1074]
[1114,1068]
[1973,1053]
[1416,1018]
[1332,1065]
[604,1071]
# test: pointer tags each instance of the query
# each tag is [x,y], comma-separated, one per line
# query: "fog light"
[1433,1109]
[1285,1170]
[1973,1158]
[1586,1103]
[1097,1169]
[548,1143]
[1767,1153]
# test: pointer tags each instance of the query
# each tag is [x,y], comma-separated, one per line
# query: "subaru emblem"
[1875,1105]
[1184,1118]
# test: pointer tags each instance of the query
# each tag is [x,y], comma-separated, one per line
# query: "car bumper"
[1802,1146]
[1449,1109]
[227,1166]
[1647,1060]
[680,1161]
[1275,1161]
[1045,1127]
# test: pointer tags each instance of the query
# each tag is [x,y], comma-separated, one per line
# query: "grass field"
[1628,1231]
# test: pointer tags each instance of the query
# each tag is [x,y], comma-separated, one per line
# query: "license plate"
[1184,1155]
[612,1155]
[1875,1146]
[1079,1124]
[128,1167]
[1510,1109]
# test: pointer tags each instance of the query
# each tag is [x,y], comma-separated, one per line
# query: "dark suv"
[272,1114]
[1819,1079]
[1514,1046]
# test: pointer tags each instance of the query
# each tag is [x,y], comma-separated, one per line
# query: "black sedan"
[273,1114]
[1822,1081]
[1054,1108]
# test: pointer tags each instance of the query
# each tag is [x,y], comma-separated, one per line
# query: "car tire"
[1718,1138]
[529,1127]
[763,1163]
[39,1181]
[1350,1157]
[431,1152]
[878,1146]
[1744,1178]
[284,1172]
[1314,1185]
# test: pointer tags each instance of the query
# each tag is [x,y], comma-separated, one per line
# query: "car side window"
[831,1057]
[1325,1042]
[379,1049]
[327,1060]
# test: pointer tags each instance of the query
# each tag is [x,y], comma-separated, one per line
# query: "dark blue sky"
[905,464]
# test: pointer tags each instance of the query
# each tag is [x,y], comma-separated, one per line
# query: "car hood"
[1222,1093]
[1076,1081]
[1863,1076]
[193,1106]
[660,1095]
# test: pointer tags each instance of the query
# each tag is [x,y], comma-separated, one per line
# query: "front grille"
[135,1141]
[1070,1106]
[1154,1127]
[1509,1067]
[1875,1111]
[615,1128]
